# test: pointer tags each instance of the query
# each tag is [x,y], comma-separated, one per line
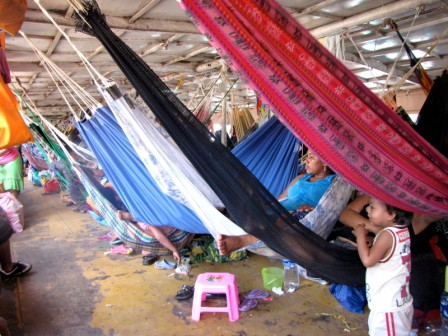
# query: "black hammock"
[432,121]
[248,202]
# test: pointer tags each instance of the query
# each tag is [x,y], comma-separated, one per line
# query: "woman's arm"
[351,216]
[284,194]
[163,239]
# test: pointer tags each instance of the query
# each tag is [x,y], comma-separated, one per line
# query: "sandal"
[185,293]
[247,305]
[149,259]
[116,241]
[165,264]
[257,294]
[106,237]
[121,249]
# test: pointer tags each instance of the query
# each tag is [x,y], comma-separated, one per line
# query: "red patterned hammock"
[324,104]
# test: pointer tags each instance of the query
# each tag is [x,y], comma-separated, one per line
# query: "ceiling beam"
[374,14]
[143,10]
[103,66]
[147,25]
[297,13]
[195,52]
[101,48]
[403,29]
[161,45]
[421,46]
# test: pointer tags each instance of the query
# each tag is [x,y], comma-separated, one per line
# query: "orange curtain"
[13,130]
[12,15]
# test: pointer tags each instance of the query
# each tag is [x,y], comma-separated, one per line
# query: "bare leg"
[228,244]
[5,257]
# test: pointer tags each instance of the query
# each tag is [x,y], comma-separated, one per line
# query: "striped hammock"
[129,233]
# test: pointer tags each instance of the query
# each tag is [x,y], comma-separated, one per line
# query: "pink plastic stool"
[216,283]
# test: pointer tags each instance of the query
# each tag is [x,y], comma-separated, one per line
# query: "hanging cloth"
[4,67]
[12,15]
[34,156]
[241,120]
[250,205]
[432,121]
[420,73]
[325,104]
[13,130]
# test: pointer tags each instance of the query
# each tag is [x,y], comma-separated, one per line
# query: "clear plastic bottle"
[444,307]
[291,280]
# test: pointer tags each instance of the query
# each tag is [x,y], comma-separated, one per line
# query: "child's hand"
[360,230]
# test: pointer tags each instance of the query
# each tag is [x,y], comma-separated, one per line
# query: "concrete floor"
[75,289]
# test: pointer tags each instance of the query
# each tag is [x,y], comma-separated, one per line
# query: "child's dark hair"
[402,217]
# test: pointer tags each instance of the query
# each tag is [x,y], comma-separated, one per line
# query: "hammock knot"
[90,9]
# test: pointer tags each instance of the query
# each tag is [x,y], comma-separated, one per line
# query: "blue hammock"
[135,186]
[271,153]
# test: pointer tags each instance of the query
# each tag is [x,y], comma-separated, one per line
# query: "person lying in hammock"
[300,197]
[161,233]
[76,200]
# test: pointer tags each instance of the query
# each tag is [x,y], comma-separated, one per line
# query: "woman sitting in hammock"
[299,198]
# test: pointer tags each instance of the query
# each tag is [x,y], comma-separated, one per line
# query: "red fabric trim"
[394,245]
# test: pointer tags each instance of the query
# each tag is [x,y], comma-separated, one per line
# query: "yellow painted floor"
[75,289]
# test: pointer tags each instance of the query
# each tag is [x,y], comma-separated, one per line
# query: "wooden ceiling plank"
[297,13]
[190,54]
[101,48]
[143,10]
[161,45]
[114,22]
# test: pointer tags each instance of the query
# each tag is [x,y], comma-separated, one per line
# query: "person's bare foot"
[126,216]
[229,244]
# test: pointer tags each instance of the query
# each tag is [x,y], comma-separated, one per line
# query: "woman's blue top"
[305,192]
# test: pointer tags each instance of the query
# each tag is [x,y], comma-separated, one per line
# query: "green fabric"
[203,249]
[11,174]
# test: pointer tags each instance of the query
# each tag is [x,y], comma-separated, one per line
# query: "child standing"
[388,264]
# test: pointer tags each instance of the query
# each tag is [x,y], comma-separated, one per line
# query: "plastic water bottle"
[444,307]
[291,280]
